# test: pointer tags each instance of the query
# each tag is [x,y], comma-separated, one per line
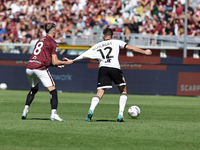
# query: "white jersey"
[107,52]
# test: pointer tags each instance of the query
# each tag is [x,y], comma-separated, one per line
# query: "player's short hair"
[49,26]
[108,32]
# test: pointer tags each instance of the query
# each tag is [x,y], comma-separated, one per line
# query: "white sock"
[26,108]
[53,111]
[94,103]
[122,104]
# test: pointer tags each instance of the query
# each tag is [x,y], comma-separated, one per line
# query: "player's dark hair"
[49,26]
[108,32]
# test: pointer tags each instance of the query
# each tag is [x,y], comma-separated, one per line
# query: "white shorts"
[44,76]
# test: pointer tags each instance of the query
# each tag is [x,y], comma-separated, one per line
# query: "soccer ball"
[3,86]
[134,111]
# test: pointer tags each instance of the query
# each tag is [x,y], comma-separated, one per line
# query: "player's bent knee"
[33,91]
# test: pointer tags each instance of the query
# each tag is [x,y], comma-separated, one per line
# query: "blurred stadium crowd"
[22,21]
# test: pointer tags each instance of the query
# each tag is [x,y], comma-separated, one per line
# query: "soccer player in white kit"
[107,53]
[44,52]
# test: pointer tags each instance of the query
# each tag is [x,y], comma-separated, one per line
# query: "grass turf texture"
[165,123]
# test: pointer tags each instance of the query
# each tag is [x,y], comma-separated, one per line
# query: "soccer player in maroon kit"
[44,52]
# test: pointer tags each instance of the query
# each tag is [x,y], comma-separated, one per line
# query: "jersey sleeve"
[122,44]
[54,48]
[89,54]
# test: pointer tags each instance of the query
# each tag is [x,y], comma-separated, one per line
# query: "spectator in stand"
[145,3]
[9,13]
[77,8]
[157,28]
[2,30]
[147,26]
[161,5]
[104,23]
[97,28]
[1,39]
[156,31]
[30,7]
[33,42]
[87,32]
[190,31]
[69,26]
[146,12]
[168,30]
[154,8]
[190,19]
[198,29]
[109,18]
[15,6]
[22,31]
[2,19]
[169,5]
[11,30]
[127,33]
[118,6]
[16,18]
[133,26]
[197,14]
[181,28]
[2,6]
[54,6]
[120,19]
[161,15]
[115,27]
[23,7]
[116,30]
[179,9]
[79,27]
[93,20]
[176,26]
[138,13]
[190,9]
[130,6]
[168,15]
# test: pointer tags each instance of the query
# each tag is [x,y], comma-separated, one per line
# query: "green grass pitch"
[165,123]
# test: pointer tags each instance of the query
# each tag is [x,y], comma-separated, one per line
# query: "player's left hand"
[65,59]
[148,52]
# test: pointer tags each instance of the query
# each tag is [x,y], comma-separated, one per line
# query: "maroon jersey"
[170,3]
[42,53]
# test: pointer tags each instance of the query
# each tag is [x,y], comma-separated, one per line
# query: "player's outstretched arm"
[137,49]
[57,62]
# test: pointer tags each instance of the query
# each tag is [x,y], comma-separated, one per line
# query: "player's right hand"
[148,52]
